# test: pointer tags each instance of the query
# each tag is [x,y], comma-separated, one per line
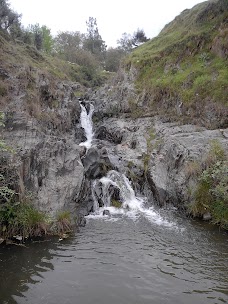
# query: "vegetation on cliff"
[19,218]
[182,73]
[211,193]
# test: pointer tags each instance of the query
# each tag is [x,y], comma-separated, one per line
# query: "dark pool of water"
[121,260]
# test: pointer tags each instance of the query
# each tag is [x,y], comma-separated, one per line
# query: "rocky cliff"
[152,151]
[42,126]
[150,144]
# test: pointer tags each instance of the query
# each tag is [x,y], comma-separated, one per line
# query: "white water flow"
[87,125]
[132,206]
[103,189]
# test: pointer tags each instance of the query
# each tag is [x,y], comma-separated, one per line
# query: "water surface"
[149,258]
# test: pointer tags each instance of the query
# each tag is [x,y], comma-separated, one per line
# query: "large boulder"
[168,166]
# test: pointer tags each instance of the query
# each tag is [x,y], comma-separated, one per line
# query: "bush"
[211,193]
[63,222]
[21,219]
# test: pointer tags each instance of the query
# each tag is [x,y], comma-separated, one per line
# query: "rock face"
[46,145]
[153,154]
[156,156]
[169,165]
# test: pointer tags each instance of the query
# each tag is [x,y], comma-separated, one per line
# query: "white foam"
[132,207]
[134,214]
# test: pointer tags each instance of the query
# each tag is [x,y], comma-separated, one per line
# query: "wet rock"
[207,216]
[96,164]
[82,221]
[104,134]
[106,212]
[82,151]
[91,163]
[86,205]
[79,135]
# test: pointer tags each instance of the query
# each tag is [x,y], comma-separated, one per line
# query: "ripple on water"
[122,261]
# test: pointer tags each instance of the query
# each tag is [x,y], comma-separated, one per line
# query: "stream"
[134,254]
[124,258]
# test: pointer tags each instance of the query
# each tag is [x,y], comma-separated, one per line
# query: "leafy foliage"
[67,44]
[113,59]
[7,16]
[127,42]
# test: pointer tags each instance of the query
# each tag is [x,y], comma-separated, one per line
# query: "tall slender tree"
[47,39]
[93,41]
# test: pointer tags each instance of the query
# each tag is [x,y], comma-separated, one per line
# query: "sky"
[113,17]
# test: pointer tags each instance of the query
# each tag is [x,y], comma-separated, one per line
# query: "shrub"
[211,193]
[16,218]
[21,219]
[63,222]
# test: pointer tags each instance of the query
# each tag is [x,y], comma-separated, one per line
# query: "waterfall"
[104,188]
[132,206]
[120,182]
[87,125]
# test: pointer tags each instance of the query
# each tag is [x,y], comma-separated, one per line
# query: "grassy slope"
[12,53]
[23,62]
[187,64]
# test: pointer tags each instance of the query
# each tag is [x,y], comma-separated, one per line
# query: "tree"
[7,16]
[67,44]
[37,35]
[113,58]
[139,37]
[93,41]
[69,47]
[48,41]
[125,42]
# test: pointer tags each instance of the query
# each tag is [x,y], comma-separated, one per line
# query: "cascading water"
[132,206]
[87,125]
[121,182]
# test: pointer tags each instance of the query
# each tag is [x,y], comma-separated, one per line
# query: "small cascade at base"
[131,206]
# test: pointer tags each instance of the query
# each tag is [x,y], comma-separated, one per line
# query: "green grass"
[181,64]
[63,222]
[211,193]
[21,219]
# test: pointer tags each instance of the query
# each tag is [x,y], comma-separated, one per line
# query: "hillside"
[183,72]
[140,117]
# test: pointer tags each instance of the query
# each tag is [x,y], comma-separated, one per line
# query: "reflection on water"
[120,261]
[20,266]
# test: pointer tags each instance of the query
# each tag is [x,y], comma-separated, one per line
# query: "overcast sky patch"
[113,17]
